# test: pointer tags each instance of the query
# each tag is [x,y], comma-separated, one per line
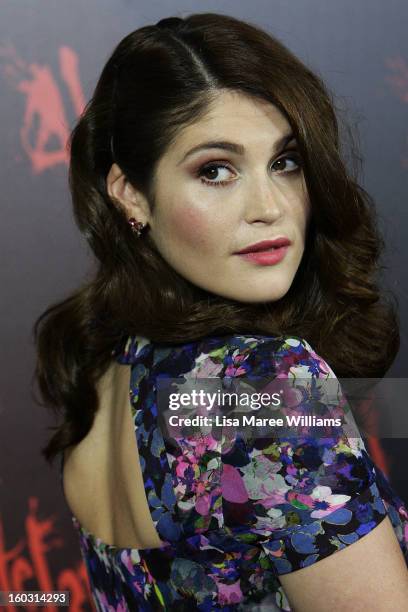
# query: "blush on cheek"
[192,226]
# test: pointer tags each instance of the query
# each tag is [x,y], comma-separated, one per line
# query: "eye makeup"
[213,165]
[234,147]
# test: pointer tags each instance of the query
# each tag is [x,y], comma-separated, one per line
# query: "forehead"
[235,114]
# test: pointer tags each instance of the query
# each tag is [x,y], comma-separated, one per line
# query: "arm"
[350,559]
[370,574]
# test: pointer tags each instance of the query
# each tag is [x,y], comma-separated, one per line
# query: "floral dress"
[234,517]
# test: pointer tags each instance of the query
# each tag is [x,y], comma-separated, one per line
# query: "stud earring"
[136,226]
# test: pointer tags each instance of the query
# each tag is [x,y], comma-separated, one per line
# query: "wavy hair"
[159,79]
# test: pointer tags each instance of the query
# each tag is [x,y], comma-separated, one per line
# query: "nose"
[265,202]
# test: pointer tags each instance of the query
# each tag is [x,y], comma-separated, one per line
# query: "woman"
[206,136]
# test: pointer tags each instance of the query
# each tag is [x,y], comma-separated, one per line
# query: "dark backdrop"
[50,57]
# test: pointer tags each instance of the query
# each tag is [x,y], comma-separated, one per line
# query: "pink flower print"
[203,497]
[229,593]
[233,371]
[323,366]
[232,485]
[197,445]
[200,448]
[291,360]
[403,512]
[274,499]
[234,368]
[203,504]
[307,500]
[325,502]
[205,492]
[281,374]
[181,466]
[200,487]
[208,368]
[204,444]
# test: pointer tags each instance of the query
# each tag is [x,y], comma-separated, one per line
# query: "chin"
[275,292]
[257,297]
[250,292]
[261,298]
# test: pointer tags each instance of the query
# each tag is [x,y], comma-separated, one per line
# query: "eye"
[211,171]
[295,157]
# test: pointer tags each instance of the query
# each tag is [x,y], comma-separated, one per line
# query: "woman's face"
[219,199]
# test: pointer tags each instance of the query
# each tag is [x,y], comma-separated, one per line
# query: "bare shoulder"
[82,474]
[370,574]
[103,482]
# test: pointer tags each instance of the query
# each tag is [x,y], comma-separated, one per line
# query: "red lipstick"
[266,252]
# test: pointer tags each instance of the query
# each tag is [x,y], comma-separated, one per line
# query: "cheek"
[193,227]
[301,215]
[307,219]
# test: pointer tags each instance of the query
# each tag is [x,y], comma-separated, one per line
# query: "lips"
[265,245]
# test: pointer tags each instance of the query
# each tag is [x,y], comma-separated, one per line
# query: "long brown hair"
[159,79]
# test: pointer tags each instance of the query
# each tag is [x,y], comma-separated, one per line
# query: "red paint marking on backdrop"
[7,558]
[369,418]
[44,117]
[70,73]
[399,77]
[21,572]
[44,103]
[73,581]
[37,533]
[84,576]
[379,455]
[27,563]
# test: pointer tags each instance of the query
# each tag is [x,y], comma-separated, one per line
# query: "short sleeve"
[308,498]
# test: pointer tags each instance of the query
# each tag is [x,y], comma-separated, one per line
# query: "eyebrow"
[234,147]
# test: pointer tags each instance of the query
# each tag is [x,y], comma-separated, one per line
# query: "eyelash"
[296,157]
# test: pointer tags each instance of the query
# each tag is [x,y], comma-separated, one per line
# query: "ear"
[125,197]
